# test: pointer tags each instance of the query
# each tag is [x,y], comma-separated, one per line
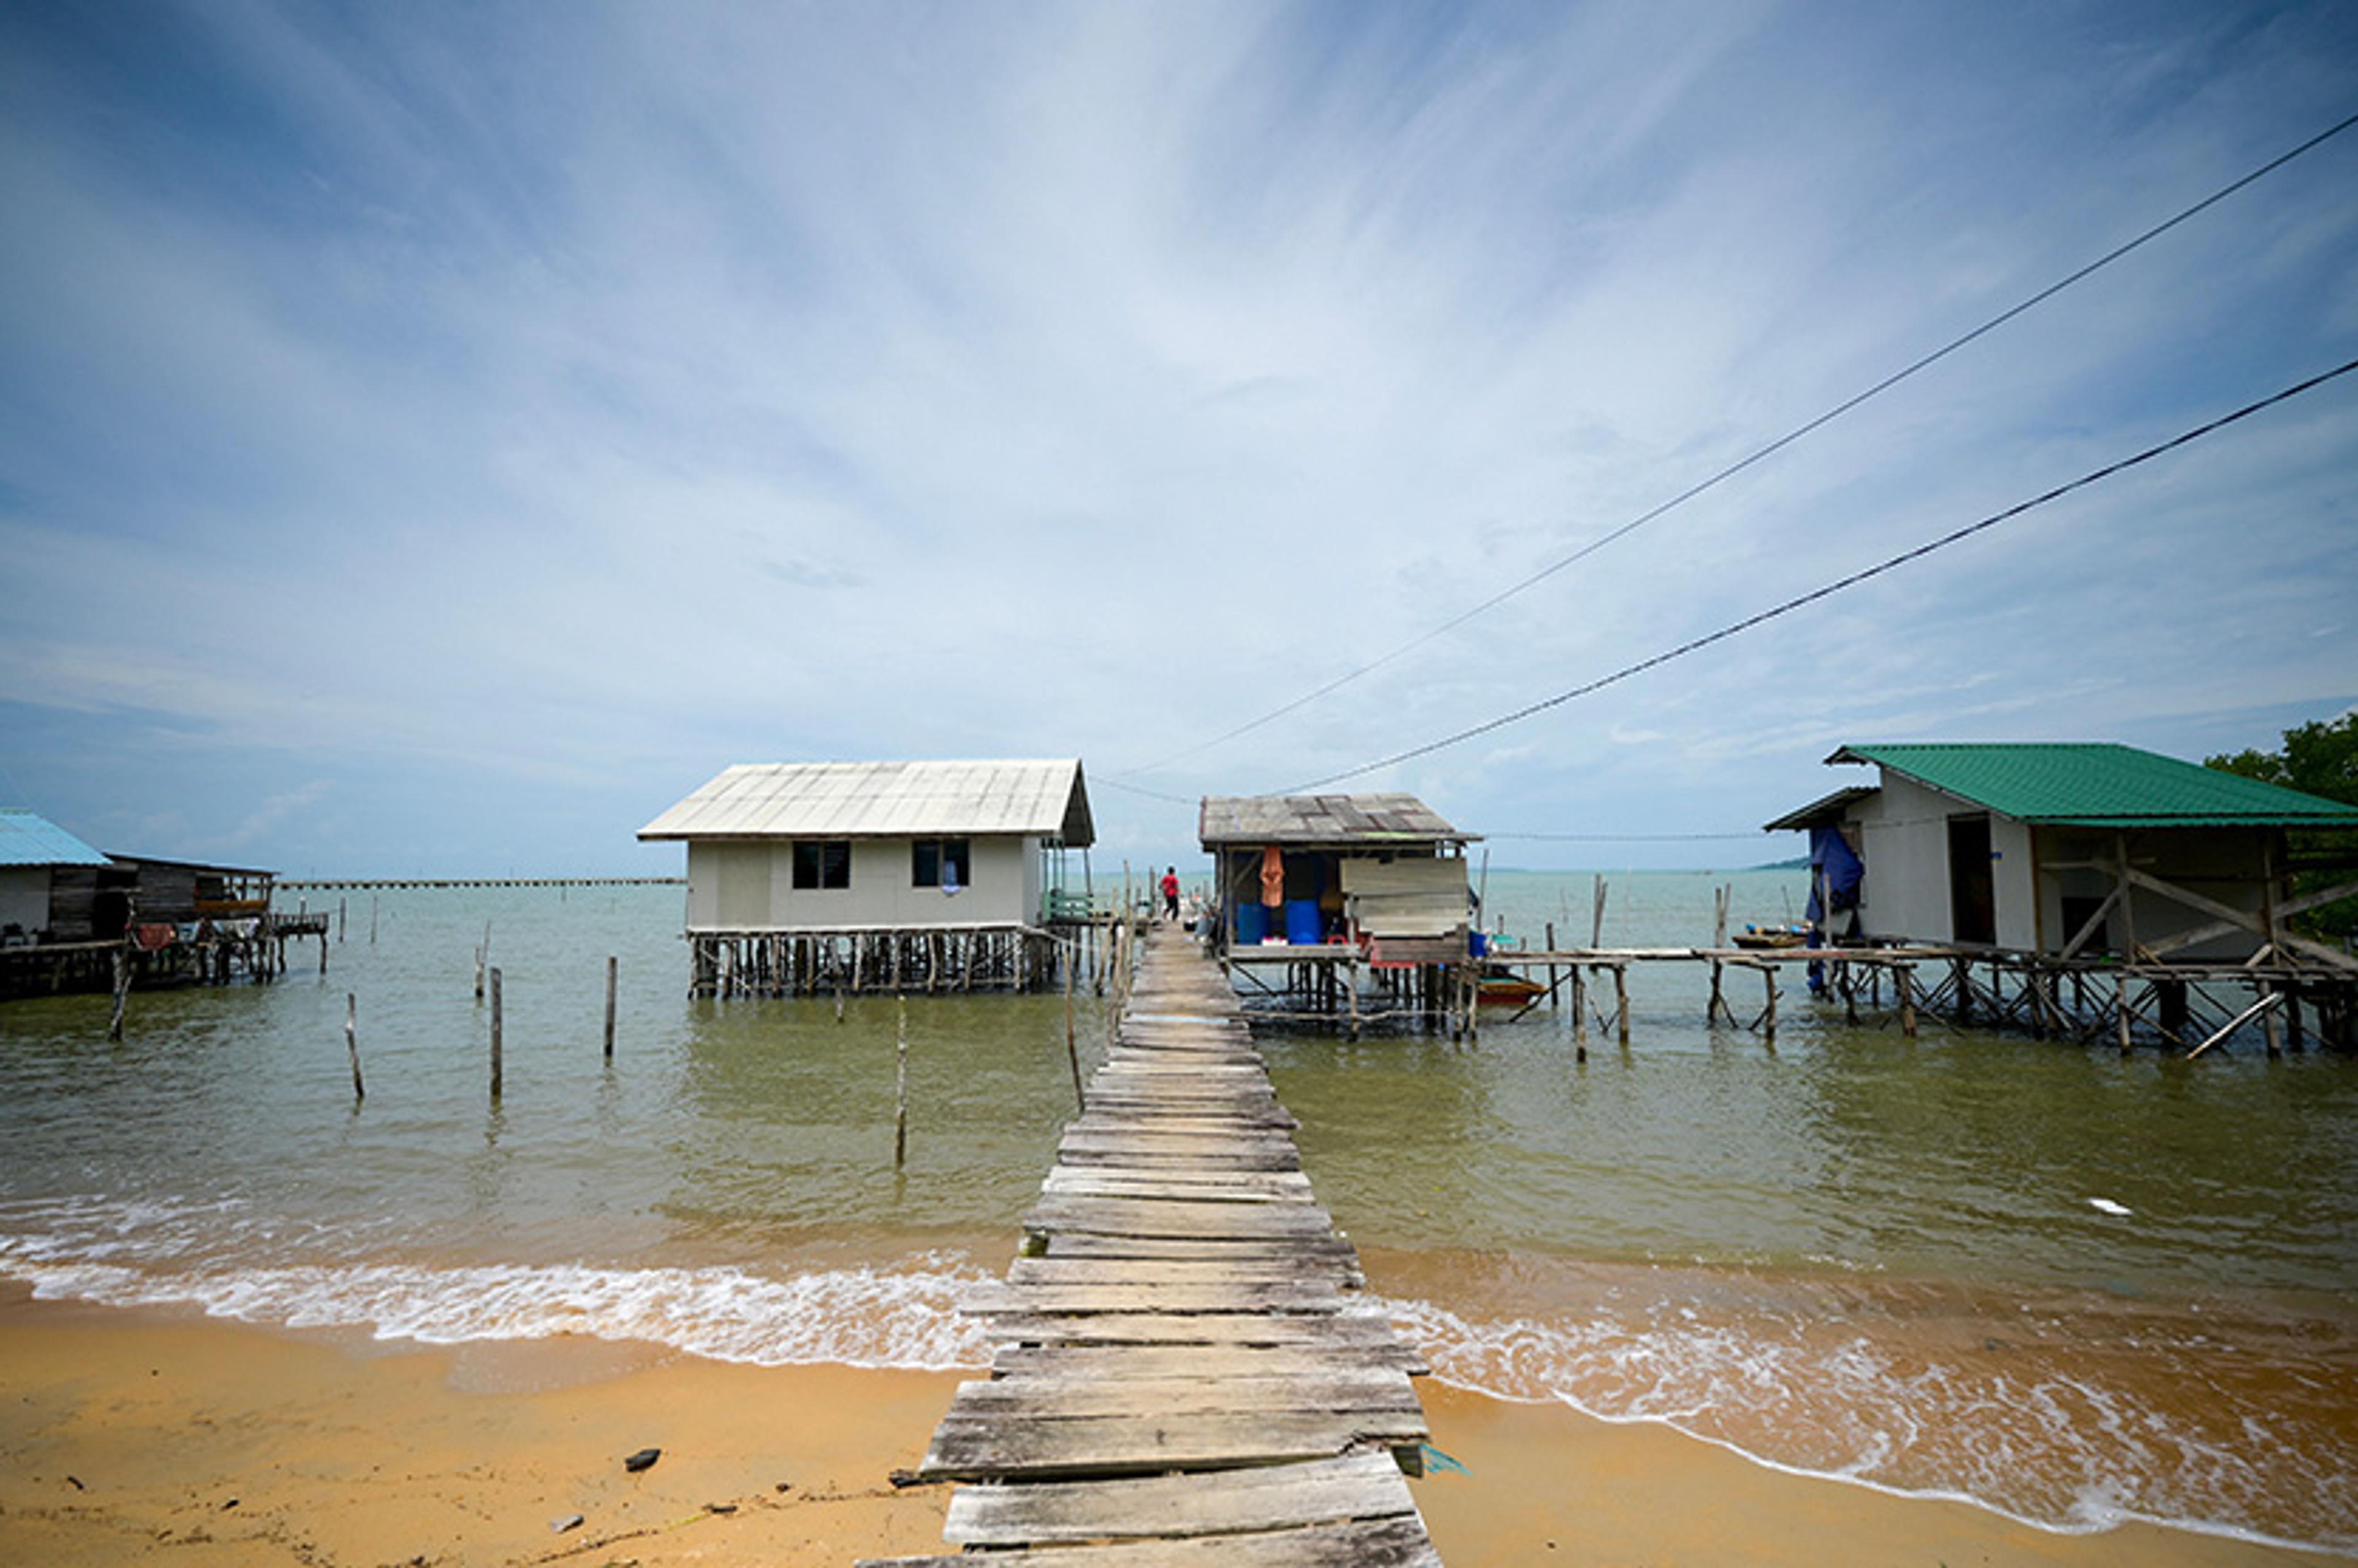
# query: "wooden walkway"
[1182,1376]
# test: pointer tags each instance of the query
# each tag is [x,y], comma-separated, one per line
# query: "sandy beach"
[132,1437]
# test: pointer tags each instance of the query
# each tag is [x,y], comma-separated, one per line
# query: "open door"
[1972,893]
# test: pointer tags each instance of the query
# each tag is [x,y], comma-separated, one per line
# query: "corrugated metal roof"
[1825,808]
[879,800]
[2100,784]
[1321,819]
[29,838]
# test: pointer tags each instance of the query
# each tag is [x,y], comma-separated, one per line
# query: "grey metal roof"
[1321,819]
[29,838]
[881,800]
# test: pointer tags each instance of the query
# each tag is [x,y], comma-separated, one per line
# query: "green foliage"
[2318,758]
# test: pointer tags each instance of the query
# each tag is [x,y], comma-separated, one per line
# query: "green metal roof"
[29,838]
[2100,784]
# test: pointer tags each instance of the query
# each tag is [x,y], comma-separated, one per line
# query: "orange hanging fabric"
[1272,876]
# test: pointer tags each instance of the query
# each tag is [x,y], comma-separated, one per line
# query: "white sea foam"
[2047,1449]
[904,1315]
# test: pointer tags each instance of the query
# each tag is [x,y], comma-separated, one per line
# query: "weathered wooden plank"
[1209,1127]
[1333,1248]
[1348,1328]
[1063,1396]
[1194,1186]
[990,1449]
[1264,1113]
[1320,1272]
[1371,1543]
[993,1297]
[1145,1217]
[1356,1487]
[1102,1362]
[1275,1159]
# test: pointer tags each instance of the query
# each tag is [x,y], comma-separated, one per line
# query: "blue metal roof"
[29,838]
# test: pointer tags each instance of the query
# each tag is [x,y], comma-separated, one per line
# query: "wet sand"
[130,1437]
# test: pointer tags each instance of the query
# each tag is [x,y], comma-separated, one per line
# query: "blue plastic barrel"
[1478,943]
[1252,923]
[1303,926]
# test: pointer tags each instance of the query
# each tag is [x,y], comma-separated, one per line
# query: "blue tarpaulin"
[1834,877]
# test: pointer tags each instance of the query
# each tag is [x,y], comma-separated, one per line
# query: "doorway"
[1973,892]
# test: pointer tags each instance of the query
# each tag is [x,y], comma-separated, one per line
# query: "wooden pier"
[1182,1374]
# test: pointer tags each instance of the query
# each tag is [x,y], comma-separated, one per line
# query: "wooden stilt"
[496,1074]
[1072,1044]
[613,966]
[900,1089]
[352,1045]
[122,988]
[1579,1015]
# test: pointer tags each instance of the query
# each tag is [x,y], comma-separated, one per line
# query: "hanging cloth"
[1272,876]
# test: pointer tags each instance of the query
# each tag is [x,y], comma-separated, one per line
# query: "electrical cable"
[1828,589]
[1780,444]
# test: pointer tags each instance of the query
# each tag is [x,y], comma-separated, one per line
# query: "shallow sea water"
[1855,1255]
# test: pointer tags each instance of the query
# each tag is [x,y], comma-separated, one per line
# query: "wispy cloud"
[864,382]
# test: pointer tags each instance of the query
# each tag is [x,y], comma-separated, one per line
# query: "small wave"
[896,1317]
[2024,1436]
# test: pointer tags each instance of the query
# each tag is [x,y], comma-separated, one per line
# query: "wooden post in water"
[372,920]
[1720,898]
[1579,1014]
[352,1045]
[2271,1029]
[2121,1005]
[1553,981]
[1769,1018]
[1596,915]
[1903,978]
[1071,1045]
[900,1088]
[613,967]
[495,1035]
[122,988]
[1621,1002]
[339,920]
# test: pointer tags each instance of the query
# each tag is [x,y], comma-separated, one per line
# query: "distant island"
[1798,863]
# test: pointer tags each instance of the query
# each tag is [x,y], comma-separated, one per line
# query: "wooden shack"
[51,883]
[2067,851]
[1381,872]
[809,876]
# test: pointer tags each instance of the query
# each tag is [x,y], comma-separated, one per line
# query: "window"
[939,862]
[822,864]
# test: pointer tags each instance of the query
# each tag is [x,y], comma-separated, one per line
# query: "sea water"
[2068,1286]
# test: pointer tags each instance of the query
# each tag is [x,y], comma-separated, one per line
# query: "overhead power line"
[1780,444]
[1829,589]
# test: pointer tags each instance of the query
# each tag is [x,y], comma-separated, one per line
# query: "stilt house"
[804,875]
[1379,871]
[2068,850]
[50,882]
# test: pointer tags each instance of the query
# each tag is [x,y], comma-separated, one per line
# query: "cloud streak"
[514,408]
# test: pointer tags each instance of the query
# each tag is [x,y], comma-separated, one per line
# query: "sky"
[434,438]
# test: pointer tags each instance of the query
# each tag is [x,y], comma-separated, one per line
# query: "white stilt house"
[795,869]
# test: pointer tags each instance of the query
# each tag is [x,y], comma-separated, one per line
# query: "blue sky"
[433,439]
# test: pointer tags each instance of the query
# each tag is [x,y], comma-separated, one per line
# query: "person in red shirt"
[1170,894]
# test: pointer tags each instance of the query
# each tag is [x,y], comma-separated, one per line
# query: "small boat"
[1772,937]
[1498,988]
